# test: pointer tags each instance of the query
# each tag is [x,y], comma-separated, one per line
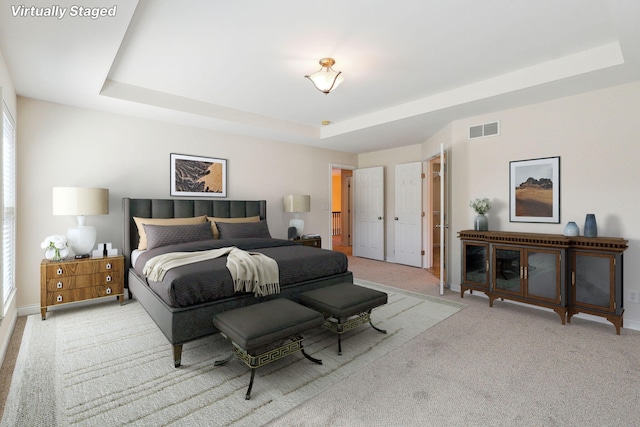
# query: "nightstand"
[316,242]
[64,282]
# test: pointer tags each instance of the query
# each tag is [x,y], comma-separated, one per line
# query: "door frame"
[429,225]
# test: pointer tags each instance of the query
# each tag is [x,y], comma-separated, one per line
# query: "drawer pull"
[108,279]
[59,285]
[108,266]
[59,298]
[108,291]
[59,271]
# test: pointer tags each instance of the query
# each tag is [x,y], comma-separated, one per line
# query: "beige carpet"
[509,365]
[109,365]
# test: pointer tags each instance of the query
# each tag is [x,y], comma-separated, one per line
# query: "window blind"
[8,210]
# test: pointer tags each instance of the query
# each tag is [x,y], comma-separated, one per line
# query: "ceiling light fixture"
[326,79]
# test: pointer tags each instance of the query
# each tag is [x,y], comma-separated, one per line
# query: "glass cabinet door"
[507,270]
[476,264]
[592,280]
[542,275]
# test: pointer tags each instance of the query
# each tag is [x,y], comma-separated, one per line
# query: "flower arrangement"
[481,206]
[55,245]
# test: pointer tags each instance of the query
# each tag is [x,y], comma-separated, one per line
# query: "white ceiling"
[410,66]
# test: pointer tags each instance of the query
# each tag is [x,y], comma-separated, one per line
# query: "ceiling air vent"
[487,129]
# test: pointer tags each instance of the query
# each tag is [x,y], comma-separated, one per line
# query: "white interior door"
[408,214]
[369,213]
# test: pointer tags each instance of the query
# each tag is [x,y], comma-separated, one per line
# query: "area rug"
[109,365]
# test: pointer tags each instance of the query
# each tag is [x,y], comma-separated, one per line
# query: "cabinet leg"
[43,311]
[562,313]
[617,322]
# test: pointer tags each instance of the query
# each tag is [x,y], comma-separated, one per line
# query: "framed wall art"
[534,190]
[195,176]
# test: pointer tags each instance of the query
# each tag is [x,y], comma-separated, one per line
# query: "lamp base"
[82,239]
[298,224]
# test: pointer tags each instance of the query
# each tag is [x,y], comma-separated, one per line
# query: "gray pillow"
[163,235]
[241,230]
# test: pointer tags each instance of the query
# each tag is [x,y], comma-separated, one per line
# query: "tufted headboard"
[182,208]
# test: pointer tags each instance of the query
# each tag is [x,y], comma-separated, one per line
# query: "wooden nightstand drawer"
[86,280]
[78,280]
[81,294]
[76,268]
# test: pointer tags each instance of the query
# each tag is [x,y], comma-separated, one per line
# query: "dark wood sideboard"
[569,275]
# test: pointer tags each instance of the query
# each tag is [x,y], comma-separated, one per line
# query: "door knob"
[396,218]
[379,217]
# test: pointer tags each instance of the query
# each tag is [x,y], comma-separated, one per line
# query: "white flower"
[54,241]
[481,206]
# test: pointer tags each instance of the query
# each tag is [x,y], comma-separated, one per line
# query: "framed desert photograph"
[193,176]
[534,190]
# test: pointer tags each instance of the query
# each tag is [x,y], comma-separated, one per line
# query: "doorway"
[342,209]
[436,214]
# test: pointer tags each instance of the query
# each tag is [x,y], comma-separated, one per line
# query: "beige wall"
[66,146]
[597,138]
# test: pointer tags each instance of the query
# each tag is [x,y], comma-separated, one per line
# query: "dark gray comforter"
[210,280]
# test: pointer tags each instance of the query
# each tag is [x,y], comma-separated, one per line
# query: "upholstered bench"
[344,306]
[265,332]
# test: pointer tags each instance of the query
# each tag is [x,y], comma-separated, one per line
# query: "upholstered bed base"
[181,325]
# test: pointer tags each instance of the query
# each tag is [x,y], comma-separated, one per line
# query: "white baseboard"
[29,310]
[35,309]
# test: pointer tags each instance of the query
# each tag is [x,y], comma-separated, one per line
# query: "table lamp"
[81,201]
[296,204]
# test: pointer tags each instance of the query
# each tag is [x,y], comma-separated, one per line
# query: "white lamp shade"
[80,201]
[296,203]
[326,80]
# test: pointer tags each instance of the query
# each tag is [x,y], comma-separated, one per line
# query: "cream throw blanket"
[251,271]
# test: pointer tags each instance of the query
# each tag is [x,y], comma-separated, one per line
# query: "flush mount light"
[326,79]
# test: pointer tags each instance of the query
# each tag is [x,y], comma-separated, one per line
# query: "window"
[8,210]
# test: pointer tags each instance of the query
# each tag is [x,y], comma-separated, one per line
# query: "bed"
[183,305]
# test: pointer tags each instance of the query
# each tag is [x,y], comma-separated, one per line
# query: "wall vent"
[487,129]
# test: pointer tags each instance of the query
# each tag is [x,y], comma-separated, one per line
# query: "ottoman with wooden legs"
[345,306]
[265,332]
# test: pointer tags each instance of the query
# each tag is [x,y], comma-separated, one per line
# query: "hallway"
[337,245]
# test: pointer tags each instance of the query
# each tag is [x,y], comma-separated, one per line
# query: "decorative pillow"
[231,230]
[213,219]
[142,244]
[163,235]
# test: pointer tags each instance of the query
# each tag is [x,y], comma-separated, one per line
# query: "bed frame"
[181,325]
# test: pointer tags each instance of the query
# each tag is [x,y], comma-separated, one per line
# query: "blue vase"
[571,229]
[590,226]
